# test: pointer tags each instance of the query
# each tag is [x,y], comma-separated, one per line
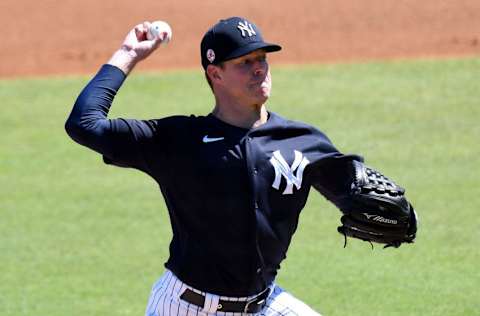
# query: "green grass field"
[81,238]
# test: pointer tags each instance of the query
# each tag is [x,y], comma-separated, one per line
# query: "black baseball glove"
[378,211]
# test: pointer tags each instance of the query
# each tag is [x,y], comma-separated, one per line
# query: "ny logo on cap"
[246,27]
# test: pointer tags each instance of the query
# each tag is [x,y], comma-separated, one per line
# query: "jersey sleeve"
[122,142]
[330,170]
[332,177]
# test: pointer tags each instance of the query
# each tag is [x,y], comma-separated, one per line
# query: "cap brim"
[244,50]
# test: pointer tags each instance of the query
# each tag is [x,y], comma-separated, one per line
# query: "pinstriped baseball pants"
[165,301]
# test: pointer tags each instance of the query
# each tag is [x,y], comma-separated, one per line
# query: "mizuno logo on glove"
[380,219]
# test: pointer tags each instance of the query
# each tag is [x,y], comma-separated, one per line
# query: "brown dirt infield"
[46,37]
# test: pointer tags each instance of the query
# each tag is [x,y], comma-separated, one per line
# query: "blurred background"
[70,36]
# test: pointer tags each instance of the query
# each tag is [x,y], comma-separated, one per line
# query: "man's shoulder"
[176,122]
[180,128]
[281,122]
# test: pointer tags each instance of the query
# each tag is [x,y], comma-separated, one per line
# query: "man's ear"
[213,72]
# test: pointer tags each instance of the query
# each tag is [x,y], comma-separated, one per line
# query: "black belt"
[253,306]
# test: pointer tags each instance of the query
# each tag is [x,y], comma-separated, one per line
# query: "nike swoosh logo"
[207,139]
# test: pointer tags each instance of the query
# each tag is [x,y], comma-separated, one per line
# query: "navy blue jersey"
[234,195]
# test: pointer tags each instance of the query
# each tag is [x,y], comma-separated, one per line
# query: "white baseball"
[157,28]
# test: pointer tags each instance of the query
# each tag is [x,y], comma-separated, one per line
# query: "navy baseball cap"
[232,38]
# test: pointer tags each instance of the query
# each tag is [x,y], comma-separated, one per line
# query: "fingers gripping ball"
[160,29]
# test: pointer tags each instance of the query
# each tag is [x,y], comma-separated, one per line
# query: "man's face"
[247,78]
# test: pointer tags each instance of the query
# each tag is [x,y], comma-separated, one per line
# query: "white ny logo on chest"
[283,169]
[246,27]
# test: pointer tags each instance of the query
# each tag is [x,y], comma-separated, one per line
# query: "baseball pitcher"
[234,180]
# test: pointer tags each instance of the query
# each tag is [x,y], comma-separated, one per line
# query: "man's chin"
[263,100]
[262,95]
[259,100]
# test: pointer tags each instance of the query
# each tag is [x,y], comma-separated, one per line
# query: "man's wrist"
[125,59]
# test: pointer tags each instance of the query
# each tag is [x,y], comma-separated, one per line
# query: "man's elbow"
[73,129]
[78,131]
[88,134]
